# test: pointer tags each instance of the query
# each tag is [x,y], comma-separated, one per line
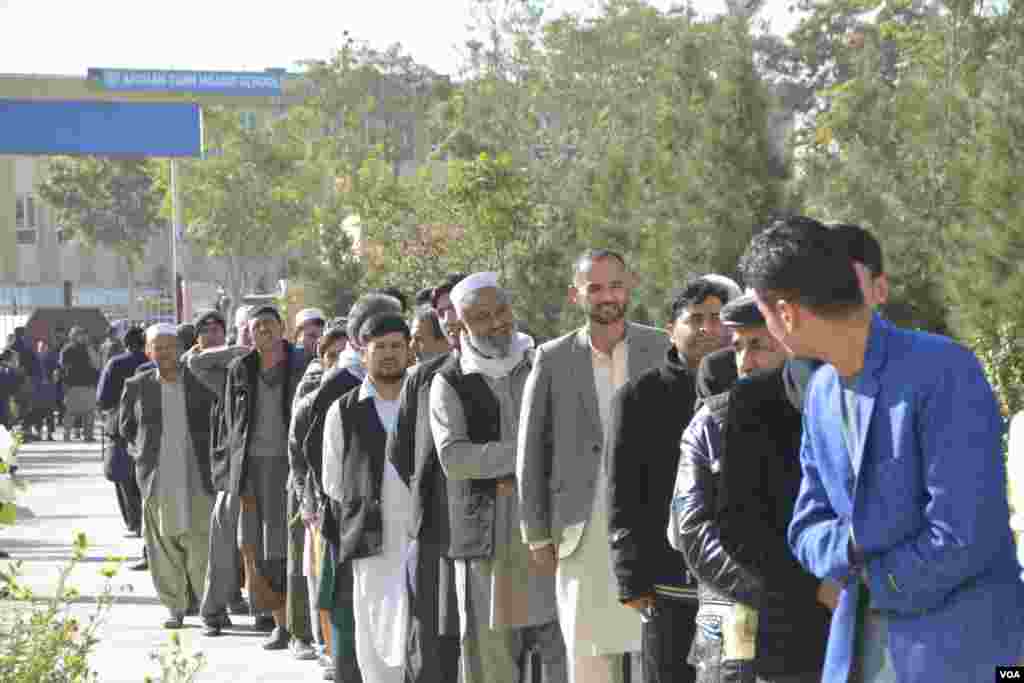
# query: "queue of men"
[778,487]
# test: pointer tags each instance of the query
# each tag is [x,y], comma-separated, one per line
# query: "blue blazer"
[926,501]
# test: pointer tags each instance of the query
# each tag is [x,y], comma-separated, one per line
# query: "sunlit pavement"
[67,493]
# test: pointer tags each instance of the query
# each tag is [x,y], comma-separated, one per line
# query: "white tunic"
[381,606]
[593,620]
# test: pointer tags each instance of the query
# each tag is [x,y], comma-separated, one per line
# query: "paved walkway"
[67,493]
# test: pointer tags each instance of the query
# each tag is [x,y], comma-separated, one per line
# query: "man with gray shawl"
[506,604]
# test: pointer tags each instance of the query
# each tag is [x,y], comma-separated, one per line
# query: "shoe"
[4,555]
[302,651]
[329,674]
[212,627]
[175,621]
[278,639]
[325,662]
[140,566]
[265,624]
[239,607]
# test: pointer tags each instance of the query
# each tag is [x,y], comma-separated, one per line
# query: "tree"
[111,202]
[243,201]
[361,104]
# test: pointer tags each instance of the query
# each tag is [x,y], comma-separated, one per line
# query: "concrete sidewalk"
[68,493]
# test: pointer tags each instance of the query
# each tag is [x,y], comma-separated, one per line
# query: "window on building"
[19,211]
[63,235]
[27,236]
[30,211]
[248,120]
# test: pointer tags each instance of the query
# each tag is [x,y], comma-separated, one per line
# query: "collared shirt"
[334,435]
[610,373]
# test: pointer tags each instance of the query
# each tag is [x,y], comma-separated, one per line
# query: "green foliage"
[177,665]
[40,639]
[1002,355]
[112,202]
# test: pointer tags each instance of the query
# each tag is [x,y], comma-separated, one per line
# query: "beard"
[606,313]
[494,345]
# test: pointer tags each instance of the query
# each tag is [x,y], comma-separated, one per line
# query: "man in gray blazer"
[559,468]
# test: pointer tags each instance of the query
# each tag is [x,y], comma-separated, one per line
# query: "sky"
[70,36]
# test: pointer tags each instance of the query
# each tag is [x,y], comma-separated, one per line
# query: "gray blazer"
[141,424]
[561,440]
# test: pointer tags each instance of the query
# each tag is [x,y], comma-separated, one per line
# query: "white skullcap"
[469,285]
[242,315]
[307,314]
[734,289]
[160,330]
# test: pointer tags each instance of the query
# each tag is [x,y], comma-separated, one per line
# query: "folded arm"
[211,366]
[966,515]
[693,529]
[461,458]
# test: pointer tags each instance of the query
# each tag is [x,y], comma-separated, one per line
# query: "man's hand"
[828,594]
[507,486]
[545,559]
[641,604]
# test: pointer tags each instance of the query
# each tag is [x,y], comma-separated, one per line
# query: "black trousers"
[129,499]
[666,641]
[434,646]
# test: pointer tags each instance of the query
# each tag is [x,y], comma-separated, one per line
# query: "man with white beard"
[506,604]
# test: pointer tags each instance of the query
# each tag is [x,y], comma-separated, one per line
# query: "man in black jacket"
[648,416]
[433,648]
[739,473]
[258,397]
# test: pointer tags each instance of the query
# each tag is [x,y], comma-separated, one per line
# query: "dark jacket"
[716,374]
[141,424]
[360,523]
[77,369]
[338,383]
[648,416]
[471,501]
[739,474]
[240,401]
[411,450]
[114,375]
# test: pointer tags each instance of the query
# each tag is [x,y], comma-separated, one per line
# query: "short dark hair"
[445,287]
[186,335]
[134,338]
[583,261]
[696,291]
[424,296]
[396,293]
[331,335]
[861,246]
[425,315]
[383,324]
[369,305]
[797,258]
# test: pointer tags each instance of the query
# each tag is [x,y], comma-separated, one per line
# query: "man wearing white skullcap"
[506,605]
[158,407]
[309,326]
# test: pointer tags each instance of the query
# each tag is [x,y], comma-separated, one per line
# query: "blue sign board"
[114,129]
[253,83]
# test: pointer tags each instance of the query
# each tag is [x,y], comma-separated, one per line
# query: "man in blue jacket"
[108,397]
[903,499]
